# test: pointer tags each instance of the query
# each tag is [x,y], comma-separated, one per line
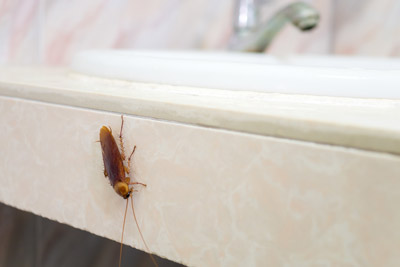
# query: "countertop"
[367,124]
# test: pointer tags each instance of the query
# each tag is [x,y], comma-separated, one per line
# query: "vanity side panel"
[213,197]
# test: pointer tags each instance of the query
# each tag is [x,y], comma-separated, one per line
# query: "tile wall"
[44,31]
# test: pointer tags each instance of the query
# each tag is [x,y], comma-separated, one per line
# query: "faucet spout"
[257,39]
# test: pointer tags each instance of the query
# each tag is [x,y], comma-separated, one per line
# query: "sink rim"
[324,75]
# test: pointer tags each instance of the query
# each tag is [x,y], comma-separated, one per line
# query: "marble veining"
[214,197]
[367,28]
[52,31]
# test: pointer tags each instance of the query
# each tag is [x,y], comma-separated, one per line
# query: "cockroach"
[118,174]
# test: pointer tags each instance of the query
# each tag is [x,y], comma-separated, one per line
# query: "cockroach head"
[127,195]
[122,189]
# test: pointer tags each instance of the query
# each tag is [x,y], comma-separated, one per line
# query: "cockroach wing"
[111,156]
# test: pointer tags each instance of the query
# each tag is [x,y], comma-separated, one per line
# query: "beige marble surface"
[214,197]
[369,124]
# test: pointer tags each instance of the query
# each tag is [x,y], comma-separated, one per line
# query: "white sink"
[316,75]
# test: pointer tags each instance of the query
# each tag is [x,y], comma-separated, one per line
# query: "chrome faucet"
[251,35]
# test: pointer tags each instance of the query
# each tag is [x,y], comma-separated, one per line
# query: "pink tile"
[52,32]
[154,24]
[20,32]
[367,28]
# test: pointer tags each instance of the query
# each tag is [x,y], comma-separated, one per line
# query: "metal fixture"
[251,35]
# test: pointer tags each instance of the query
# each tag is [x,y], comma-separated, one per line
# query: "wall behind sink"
[44,31]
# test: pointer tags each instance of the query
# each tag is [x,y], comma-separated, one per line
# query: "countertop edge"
[370,125]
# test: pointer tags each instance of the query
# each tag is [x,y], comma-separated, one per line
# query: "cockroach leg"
[128,181]
[122,123]
[133,151]
[133,183]
[105,173]
[130,156]
[128,168]
[121,142]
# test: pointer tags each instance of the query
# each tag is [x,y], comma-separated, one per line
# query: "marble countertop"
[366,124]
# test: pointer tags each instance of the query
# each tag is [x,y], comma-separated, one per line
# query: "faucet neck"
[252,36]
[245,16]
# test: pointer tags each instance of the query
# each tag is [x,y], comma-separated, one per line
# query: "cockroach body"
[114,167]
[118,173]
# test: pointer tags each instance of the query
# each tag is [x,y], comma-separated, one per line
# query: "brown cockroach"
[118,173]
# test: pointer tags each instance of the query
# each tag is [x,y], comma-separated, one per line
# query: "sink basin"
[306,75]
